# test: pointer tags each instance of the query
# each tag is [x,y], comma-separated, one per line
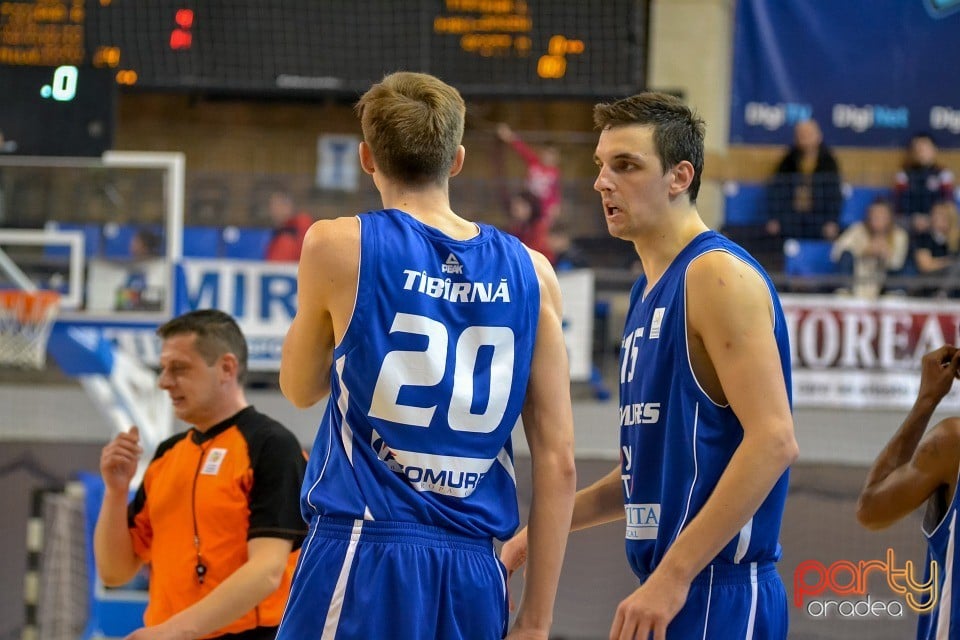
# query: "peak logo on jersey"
[446,475]
[446,289]
[639,413]
[452,265]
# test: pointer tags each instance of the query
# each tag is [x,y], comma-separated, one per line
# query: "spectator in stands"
[137,293]
[543,171]
[871,249]
[145,244]
[804,198]
[529,224]
[567,252]
[921,182]
[936,250]
[289,228]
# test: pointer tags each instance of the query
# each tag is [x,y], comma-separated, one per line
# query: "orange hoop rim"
[28,306]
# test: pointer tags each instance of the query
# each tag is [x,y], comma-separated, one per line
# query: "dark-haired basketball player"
[706,433]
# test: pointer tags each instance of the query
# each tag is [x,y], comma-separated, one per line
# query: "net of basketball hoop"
[26,319]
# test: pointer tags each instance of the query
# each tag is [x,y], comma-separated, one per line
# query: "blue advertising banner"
[871,72]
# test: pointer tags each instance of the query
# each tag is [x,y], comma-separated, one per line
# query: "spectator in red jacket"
[289,228]
[529,224]
[543,171]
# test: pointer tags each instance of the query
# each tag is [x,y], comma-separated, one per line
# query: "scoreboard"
[56,111]
[486,48]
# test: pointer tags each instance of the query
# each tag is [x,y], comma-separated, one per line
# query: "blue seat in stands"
[856,199]
[202,242]
[92,238]
[744,203]
[246,243]
[808,258]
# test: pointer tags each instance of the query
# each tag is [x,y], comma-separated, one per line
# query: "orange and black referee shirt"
[202,497]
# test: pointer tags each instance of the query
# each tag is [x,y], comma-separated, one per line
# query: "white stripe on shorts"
[336,601]
[706,616]
[753,601]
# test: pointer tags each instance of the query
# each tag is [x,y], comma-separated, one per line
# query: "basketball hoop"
[26,318]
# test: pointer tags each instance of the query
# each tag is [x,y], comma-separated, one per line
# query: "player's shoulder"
[333,230]
[546,276]
[330,244]
[945,436]
[541,265]
[721,271]
[939,451]
[726,293]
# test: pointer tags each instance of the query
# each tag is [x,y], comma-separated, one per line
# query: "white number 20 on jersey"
[428,368]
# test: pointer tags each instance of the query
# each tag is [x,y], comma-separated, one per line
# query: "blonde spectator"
[871,249]
[935,251]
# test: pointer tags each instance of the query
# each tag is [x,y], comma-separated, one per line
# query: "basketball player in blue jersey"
[432,335]
[914,469]
[706,432]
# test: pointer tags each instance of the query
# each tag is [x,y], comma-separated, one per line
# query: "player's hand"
[648,610]
[118,460]
[513,555]
[505,133]
[937,372]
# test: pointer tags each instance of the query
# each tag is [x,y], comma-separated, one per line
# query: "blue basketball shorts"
[362,579]
[733,602]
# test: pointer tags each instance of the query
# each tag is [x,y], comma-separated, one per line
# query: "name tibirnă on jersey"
[428,381]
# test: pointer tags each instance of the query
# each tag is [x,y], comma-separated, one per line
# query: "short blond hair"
[413,123]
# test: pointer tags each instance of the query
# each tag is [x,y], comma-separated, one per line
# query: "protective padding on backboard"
[80,351]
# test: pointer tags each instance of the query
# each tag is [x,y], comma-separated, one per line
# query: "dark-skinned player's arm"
[913,465]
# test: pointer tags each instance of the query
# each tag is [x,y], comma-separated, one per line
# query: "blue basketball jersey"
[940,528]
[428,381]
[675,441]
